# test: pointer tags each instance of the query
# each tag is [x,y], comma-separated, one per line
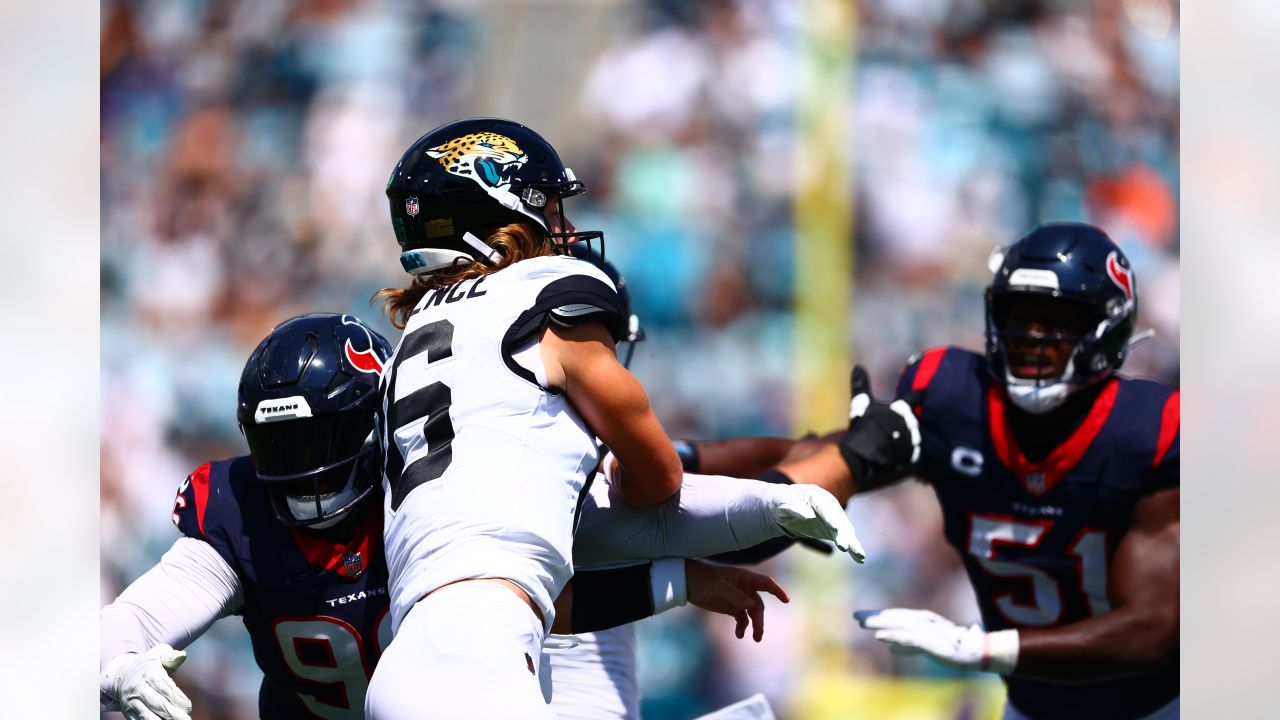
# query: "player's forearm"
[601,599]
[710,515]
[1125,641]
[741,457]
[824,468]
[173,603]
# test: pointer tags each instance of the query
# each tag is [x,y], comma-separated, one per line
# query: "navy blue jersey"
[1037,539]
[316,611]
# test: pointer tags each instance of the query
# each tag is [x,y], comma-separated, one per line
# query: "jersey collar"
[1039,477]
[349,559]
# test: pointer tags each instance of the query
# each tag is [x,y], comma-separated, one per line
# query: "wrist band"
[1000,651]
[688,453]
[667,584]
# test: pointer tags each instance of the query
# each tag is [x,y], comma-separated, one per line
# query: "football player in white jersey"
[291,572]
[504,379]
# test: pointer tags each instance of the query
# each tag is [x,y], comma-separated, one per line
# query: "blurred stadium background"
[788,185]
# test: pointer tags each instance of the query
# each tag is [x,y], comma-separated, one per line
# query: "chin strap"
[1139,338]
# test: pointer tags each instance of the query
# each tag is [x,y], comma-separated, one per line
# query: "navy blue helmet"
[1074,263]
[306,406]
[460,182]
[635,333]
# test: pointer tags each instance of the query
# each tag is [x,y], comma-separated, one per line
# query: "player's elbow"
[651,486]
[1154,641]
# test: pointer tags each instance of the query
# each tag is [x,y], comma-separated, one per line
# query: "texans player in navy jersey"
[281,537]
[1058,482]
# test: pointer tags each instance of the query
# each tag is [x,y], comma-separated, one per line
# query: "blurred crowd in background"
[245,147]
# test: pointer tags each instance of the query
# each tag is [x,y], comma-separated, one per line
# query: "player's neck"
[1038,435]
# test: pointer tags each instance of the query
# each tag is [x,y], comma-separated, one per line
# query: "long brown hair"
[516,242]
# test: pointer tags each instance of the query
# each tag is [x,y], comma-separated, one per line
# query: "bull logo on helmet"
[486,157]
[366,361]
[1120,275]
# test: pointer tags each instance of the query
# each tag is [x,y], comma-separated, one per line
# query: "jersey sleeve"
[577,293]
[192,503]
[1165,464]
[606,598]
[711,514]
[919,371]
[194,516]
[174,602]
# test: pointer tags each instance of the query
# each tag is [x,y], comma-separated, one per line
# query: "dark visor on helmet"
[293,448]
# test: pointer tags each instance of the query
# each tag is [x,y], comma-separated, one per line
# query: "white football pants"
[468,650]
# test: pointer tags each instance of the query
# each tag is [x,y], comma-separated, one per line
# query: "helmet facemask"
[561,232]
[1037,342]
[305,495]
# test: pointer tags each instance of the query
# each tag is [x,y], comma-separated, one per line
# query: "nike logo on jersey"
[356,596]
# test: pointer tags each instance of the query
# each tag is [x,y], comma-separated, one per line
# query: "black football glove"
[883,439]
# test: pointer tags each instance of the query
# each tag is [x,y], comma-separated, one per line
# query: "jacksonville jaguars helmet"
[1075,263]
[635,333]
[306,406]
[458,183]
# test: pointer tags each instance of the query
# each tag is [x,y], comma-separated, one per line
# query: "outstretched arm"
[600,599]
[880,447]
[710,515]
[168,607]
[746,456]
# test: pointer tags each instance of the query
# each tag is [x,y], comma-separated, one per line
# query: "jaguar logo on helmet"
[485,157]
[411,206]
[366,361]
[1120,275]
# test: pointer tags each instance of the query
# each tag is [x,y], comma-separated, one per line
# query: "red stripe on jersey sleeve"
[929,363]
[1170,421]
[200,490]
[928,367]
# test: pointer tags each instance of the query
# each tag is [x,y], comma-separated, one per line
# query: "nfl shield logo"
[1035,483]
[411,206]
[353,564]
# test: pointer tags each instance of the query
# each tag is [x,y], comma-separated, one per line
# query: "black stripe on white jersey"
[584,299]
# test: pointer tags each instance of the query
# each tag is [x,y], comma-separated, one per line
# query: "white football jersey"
[484,465]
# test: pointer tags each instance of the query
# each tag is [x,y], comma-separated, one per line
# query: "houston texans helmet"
[306,406]
[1075,263]
[460,182]
[635,333]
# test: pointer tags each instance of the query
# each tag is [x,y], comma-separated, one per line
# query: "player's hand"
[883,439]
[909,632]
[812,512]
[140,686]
[732,591]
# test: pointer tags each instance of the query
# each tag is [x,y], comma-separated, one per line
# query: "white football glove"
[965,648]
[809,511]
[140,686]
